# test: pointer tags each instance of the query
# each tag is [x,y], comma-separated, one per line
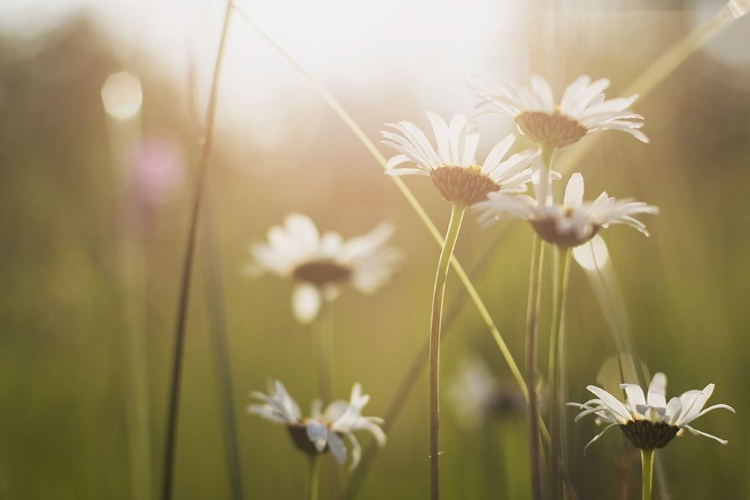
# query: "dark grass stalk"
[214,296]
[184,292]
[532,328]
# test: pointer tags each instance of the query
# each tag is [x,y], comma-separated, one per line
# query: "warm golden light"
[593,255]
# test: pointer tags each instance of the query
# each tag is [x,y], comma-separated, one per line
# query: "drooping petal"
[306,302]
[337,447]
[317,432]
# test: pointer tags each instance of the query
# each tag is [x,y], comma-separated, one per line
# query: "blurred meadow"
[95,202]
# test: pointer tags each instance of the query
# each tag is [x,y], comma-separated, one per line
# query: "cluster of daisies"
[321,265]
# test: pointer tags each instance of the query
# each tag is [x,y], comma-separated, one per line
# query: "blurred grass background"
[87,259]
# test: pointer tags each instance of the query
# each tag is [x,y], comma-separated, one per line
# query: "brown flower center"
[298,433]
[546,228]
[552,130]
[322,272]
[463,185]
[647,435]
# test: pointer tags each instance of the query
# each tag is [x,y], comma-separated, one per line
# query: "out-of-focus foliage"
[86,261]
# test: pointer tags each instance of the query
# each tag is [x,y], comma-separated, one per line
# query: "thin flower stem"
[416,206]
[184,293]
[323,340]
[312,480]
[451,236]
[562,268]
[401,394]
[647,469]
[324,347]
[532,328]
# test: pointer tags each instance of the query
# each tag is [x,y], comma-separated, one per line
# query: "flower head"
[582,109]
[574,222]
[649,422]
[321,264]
[452,166]
[324,431]
[478,394]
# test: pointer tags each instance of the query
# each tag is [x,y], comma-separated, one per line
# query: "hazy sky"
[357,46]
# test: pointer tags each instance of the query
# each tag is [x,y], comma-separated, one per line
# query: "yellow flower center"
[464,185]
[552,130]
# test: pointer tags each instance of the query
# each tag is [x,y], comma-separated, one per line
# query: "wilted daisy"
[649,422]
[321,432]
[321,265]
[582,109]
[452,166]
[574,222]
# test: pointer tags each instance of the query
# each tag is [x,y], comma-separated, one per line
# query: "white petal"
[541,88]
[701,433]
[337,447]
[497,153]
[657,390]
[305,303]
[574,191]
[635,395]
[318,434]
[617,408]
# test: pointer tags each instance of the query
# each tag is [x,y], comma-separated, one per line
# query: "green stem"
[457,215]
[323,340]
[184,293]
[410,198]
[314,475]
[324,345]
[562,268]
[647,469]
[532,328]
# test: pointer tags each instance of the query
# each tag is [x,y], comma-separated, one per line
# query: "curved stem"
[532,328]
[184,294]
[416,206]
[562,268]
[457,214]
[647,468]
[312,479]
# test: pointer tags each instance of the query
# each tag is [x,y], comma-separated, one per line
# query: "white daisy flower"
[649,422]
[452,166]
[321,265]
[477,394]
[324,431]
[582,109]
[574,222]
